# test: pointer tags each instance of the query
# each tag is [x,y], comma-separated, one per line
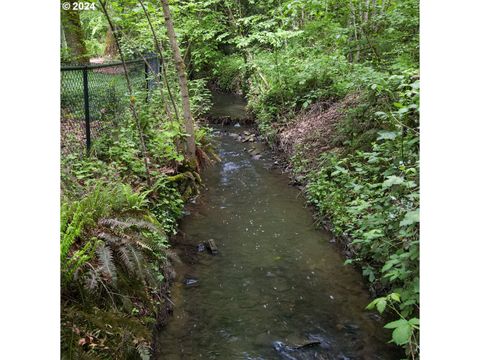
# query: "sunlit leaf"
[411,217]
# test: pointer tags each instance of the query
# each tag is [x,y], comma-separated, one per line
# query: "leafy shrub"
[372,199]
[229,73]
[167,203]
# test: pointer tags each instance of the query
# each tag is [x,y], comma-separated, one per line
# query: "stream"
[277,283]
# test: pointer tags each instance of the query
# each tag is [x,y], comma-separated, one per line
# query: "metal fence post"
[158,66]
[147,81]
[87,107]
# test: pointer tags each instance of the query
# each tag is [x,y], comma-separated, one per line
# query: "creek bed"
[275,279]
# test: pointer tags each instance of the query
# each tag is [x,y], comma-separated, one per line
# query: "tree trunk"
[74,36]
[63,41]
[182,79]
[110,46]
[366,14]
[159,48]
[354,22]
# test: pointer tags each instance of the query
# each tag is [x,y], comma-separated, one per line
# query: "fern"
[129,223]
[129,230]
[110,246]
[91,280]
[137,260]
[143,245]
[107,266]
[111,239]
[126,259]
[144,351]
[78,259]
[75,220]
[126,197]
[130,240]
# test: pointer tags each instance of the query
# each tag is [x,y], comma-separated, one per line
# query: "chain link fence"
[94,97]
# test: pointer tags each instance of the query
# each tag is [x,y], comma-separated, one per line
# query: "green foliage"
[79,239]
[372,197]
[200,97]
[404,332]
[388,104]
[111,248]
[94,26]
[114,233]
[115,220]
[76,218]
[167,203]
[229,73]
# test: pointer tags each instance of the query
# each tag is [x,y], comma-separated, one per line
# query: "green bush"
[372,199]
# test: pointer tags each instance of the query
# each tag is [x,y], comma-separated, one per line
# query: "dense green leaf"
[401,334]
[410,218]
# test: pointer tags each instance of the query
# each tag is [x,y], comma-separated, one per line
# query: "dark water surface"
[227,105]
[276,277]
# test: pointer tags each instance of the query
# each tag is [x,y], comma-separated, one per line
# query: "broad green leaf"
[381,114]
[373,234]
[414,321]
[392,180]
[395,297]
[387,135]
[372,304]
[381,305]
[395,324]
[388,265]
[411,217]
[401,335]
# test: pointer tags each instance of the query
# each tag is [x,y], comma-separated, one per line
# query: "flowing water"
[275,279]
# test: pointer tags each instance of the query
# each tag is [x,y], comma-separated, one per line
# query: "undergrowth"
[115,224]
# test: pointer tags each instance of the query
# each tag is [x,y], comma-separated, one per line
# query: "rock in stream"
[315,348]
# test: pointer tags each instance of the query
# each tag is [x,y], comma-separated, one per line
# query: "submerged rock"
[201,247]
[190,282]
[351,328]
[212,246]
[319,340]
[316,347]
[283,350]
[248,138]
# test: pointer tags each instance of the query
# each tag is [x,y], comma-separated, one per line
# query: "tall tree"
[74,35]
[182,79]
[110,45]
